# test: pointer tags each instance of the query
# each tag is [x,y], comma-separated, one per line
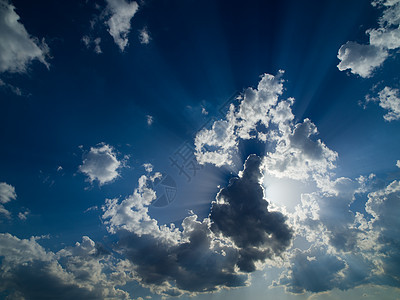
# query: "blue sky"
[200,150]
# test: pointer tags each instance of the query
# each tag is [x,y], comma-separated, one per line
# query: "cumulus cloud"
[101,164]
[298,156]
[144,36]
[119,23]
[261,114]
[389,99]
[17,48]
[28,271]
[363,59]
[206,255]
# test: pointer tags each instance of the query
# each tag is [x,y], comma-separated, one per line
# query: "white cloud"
[119,24]
[361,59]
[17,48]
[364,59]
[261,114]
[7,193]
[398,164]
[101,164]
[217,145]
[298,156]
[144,36]
[149,120]
[388,99]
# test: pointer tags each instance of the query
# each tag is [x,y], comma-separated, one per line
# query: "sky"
[199,149]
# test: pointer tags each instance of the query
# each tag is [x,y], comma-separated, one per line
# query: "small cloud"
[59,169]
[144,36]
[16,90]
[204,111]
[119,24]
[23,215]
[7,193]
[89,42]
[398,164]
[92,208]
[18,49]
[388,99]
[101,164]
[148,167]
[150,120]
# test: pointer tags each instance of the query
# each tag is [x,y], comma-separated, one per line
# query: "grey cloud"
[201,257]
[312,271]
[192,266]
[28,271]
[241,213]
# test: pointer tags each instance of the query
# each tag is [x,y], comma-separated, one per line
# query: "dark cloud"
[197,265]
[39,280]
[313,271]
[241,213]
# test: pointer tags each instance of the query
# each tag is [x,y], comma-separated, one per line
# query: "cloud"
[119,23]
[219,144]
[101,164]
[241,214]
[149,120]
[144,36]
[346,248]
[7,193]
[88,41]
[298,156]
[206,255]
[261,114]
[28,271]
[363,59]
[389,99]
[17,48]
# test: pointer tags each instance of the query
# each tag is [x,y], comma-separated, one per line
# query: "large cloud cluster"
[85,271]
[217,252]
[261,114]
[347,248]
